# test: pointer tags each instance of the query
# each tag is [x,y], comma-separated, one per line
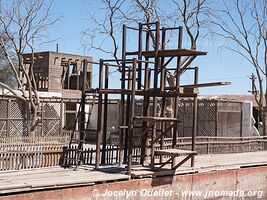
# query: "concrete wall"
[113,119]
[166,187]
[236,124]
[248,128]
[229,124]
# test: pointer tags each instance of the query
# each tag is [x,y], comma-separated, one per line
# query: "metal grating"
[51,118]
[3,108]
[14,119]
[18,119]
[206,120]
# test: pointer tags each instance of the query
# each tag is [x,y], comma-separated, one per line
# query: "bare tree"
[6,74]
[194,15]
[104,33]
[243,25]
[22,23]
[7,77]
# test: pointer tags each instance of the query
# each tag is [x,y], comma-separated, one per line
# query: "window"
[70,115]
[73,77]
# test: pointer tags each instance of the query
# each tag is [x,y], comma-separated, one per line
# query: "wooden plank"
[153,119]
[151,173]
[169,53]
[13,186]
[206,84]
[174,152]
[162,134]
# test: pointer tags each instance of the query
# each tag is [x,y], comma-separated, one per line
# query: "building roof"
[235,97]
[57,53]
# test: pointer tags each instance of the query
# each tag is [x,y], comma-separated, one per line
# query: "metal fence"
[213,117]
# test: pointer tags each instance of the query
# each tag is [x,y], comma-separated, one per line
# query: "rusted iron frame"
[145,130]
[168,28]
[137,29]
[122,105]
[182,162]
[195,111]
[169,53]
[163,78]
[177,85]
[105,117]
[172,161]
[155,85]
[132,28]
[201,84]
[131,115]
[117,60]
[188,62]
[164,65]
[83,100]
[241,121]
[163,133]
[68,74]
[128,103]
[146,103]
[162,164]
[99,115]
[164,31]
[140,47]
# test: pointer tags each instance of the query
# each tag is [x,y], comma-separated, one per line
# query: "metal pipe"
[162,67]
[99,115]
[140,41]
[126,141]
[194,133]
[122,121]
[105,120]
[177,85]
[133,28]
[131,115]
[146,103]
[155,85]
[83,100]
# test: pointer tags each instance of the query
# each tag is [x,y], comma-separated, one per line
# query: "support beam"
[195,109]
[99,116]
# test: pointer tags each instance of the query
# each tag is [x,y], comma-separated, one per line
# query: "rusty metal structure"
[144,74]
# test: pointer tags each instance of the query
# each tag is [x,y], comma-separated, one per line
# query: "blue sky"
[218,65]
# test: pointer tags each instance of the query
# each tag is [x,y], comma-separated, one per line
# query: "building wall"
[50,66]
[228,124]
[233,123]
[56,68]
[113,120]
[215,183]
